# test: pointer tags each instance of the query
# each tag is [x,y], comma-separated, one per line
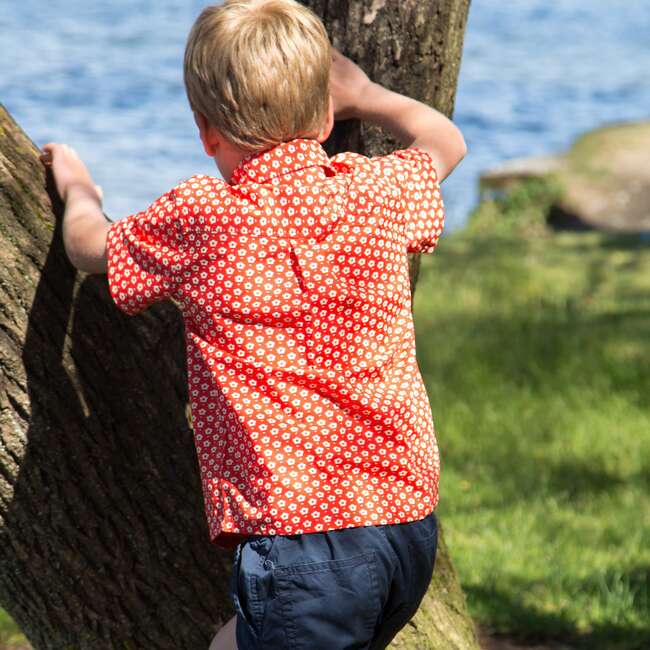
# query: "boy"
[312,424]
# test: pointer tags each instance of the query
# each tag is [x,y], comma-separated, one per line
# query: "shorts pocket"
[249,557]
[329,604]
[239,587]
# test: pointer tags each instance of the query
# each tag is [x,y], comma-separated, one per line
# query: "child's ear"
[207,132]
[329,123]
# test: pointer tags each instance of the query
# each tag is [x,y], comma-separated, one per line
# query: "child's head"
[259,71]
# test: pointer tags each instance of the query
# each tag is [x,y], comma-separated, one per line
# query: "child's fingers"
[49,151]
[52,149]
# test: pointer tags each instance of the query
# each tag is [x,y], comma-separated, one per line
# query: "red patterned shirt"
[308,406]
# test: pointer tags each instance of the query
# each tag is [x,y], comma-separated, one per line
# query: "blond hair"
[259,71]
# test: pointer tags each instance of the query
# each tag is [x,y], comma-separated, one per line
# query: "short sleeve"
[145,255]
[413,171]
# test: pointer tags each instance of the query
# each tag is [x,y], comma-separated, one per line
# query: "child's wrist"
[380,106]
[80,190]
[366,101]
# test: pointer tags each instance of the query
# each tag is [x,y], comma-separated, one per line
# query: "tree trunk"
[103,537]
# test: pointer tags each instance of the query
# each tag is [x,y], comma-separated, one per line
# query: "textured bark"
[103,538]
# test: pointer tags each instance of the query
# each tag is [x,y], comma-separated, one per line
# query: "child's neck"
[227,160]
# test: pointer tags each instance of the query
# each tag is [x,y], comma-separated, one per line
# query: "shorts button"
[268,564]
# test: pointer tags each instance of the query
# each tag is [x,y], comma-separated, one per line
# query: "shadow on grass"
[578,477]
[632,242]
[528,624]
[545,347]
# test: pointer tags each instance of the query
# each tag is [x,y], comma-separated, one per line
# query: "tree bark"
[103,537]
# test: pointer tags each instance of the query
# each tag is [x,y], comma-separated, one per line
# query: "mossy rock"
[604,178]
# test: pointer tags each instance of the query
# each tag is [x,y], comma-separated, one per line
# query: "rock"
[604,178]
[505,176]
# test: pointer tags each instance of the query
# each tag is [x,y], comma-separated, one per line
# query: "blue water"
[106,77]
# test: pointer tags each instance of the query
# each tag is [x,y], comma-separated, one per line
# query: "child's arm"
[143,254]
[412,122]
[85,227]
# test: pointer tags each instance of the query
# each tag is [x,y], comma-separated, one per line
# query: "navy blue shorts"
[347,588]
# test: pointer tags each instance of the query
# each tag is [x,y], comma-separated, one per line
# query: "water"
[106,77]
[535,74]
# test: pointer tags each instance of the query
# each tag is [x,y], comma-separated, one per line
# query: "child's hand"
[68,169]
[348,82]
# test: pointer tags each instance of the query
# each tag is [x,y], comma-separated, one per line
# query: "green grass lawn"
[535,350]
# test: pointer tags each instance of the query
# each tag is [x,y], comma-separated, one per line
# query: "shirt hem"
[235,536]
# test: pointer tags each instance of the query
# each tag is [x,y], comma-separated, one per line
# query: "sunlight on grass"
[10,636]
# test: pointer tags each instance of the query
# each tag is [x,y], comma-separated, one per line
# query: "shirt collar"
[285,157]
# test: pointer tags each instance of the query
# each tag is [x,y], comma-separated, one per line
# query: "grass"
[535,350]
[10,636]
